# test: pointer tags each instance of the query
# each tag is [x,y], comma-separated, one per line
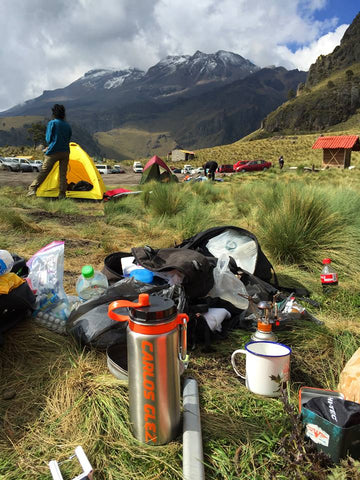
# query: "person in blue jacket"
[58,135]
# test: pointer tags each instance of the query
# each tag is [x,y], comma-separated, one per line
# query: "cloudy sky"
[47,44]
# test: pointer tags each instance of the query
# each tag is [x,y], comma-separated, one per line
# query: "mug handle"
[233,362]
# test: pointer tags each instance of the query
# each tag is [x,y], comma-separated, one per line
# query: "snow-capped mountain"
[192,100]
[171,78]
[108,78]
[178,74]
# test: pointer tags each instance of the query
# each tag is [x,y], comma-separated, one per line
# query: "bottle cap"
[142,275]
[326,261]
[87,271]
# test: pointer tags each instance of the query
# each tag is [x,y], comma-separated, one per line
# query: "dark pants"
[63,159]
[212,174]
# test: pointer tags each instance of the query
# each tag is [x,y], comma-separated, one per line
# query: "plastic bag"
[242,248]
[90,324]
[46,273]
[227,285]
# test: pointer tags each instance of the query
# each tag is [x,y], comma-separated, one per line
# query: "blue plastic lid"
[142,275]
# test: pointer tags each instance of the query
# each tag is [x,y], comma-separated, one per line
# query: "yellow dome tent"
[81,167]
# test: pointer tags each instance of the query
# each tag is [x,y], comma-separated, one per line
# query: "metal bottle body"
[154,385]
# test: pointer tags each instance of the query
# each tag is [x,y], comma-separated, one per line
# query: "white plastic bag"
[227,285]
[242,248]
[46,273]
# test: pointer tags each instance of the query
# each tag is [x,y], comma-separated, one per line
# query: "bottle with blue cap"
[6,262]
[142,275]
[91,283]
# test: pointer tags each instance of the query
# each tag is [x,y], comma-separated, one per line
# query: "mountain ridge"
[330,95]
[196,101]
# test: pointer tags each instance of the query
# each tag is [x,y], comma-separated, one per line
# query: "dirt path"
[17,178]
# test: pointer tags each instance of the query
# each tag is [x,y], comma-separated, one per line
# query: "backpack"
[262,266]
[15,306]
[194,266]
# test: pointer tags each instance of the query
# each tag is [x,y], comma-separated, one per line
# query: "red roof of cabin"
[340,141]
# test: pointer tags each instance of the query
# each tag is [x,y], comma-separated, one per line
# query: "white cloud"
[305,56]
[47,45]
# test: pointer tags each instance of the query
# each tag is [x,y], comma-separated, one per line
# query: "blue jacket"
[58,135]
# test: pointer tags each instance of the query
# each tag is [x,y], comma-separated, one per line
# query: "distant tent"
[151,171]
[81,169]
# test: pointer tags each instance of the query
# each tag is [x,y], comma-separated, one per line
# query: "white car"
[137,167]
[188,169]
[36,164]
[103,169]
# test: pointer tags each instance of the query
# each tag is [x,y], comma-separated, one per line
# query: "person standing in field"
[281,162]
[58,135]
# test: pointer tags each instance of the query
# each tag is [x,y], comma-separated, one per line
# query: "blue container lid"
[142,275]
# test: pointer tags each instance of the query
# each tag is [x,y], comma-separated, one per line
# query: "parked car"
[225,169]
[175,169]
[240,162]
[17,164]
[103,169]
[137,167]
[254,166]
[188,169]
[36,164]
[117,169]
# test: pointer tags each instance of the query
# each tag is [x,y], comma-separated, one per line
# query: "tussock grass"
[163,198]
[300,225]
[16,222]
[193,219]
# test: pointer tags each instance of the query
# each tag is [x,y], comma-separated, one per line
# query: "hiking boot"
[31,193]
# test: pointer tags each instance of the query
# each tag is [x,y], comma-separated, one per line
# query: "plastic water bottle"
[51,322]
[329,278]
[6,262]
[91,283]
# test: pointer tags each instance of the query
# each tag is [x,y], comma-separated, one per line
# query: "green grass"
[65,396]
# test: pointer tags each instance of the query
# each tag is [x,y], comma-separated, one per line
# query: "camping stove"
[264,327]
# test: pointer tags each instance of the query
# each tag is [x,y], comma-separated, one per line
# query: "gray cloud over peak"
[48,44]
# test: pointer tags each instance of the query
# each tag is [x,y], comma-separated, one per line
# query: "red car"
[240,162]
[225,169]
[254,166]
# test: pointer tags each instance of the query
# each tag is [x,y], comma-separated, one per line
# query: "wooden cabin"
[337,150]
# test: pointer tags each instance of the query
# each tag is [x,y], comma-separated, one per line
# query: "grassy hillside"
[333,100]
[134,143]
[296,149]
[7,123]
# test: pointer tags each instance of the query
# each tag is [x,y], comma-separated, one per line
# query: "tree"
[37,132]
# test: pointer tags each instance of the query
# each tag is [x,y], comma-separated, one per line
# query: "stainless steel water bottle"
[154,349]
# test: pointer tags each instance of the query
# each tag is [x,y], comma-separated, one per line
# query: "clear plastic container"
[91,283]
[329,277]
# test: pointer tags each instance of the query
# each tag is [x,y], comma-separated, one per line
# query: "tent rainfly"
[81,168]
[151,171]
[337,150]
